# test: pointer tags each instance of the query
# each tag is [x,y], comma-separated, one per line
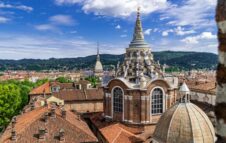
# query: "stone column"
[125,108]
[148,111]
[143,109]
[220,108]
[130,98]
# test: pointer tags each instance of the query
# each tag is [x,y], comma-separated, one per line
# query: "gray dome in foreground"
[184,123]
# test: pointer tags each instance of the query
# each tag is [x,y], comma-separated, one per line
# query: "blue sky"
[43,29]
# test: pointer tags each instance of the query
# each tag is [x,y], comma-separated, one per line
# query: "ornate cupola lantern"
[184,92]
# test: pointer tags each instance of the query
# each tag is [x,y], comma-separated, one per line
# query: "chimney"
[63,113]
[52,112]
[42,133]
[62,135]
[13,135]
[32,105]
[45,103]
[79,117]
[13,121]
[45,117]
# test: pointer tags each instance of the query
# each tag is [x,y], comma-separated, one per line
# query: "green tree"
[94,80]
[41,81]
[10,102]
[63,79]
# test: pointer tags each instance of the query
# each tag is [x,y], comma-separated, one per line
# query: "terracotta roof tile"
[73,95]
[115,132]
[28,124]
[41,89]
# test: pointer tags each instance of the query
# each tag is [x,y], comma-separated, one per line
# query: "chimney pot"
[62,135]
[32,105]
[63,113]
[42,133]
[13,135]
[13,121]
[52,112]
[45,117]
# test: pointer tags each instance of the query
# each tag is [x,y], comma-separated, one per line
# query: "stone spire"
[98,54]
[98,69]
[138,36]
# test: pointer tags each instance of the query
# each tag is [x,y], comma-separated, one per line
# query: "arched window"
[117,100]
[157,101]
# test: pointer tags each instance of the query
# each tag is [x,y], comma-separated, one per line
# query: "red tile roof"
[28,124]
[115,132]
[41,89]
[79,95]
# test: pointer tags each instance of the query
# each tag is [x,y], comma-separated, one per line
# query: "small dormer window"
[55,89]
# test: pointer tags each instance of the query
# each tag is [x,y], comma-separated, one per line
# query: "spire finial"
[138,12]
[98,48]
[98,54]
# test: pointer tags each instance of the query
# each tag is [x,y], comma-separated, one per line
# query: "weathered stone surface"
[221,74]
[220,108]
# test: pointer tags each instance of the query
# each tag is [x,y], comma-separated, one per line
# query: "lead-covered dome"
[184,123]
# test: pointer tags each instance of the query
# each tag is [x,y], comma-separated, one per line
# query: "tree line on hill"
[175,61]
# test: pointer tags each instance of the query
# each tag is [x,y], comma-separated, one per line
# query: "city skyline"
[71,28]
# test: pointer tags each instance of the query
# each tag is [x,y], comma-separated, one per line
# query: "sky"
[42,29]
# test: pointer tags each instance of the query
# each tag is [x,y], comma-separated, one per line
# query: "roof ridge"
[66,119]
[117,135]
[29,121]
[197,108]
[177,104]
[190,121]
[195,115]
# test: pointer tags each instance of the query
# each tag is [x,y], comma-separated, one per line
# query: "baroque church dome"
[98,67]
[184,123]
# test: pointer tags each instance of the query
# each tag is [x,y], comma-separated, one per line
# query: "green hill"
[178,60]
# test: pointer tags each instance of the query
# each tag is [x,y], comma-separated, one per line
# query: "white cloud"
[60,2]
[196,39]
[62,20]
[147,31]
[118,27]
[163,44]
[181,31]
[117,8]
[166,33]
[73,32]
[45,27]
[123,36]
[54,23]
[20,7]
[3,19]
[43,47]
[192,12]
[156,30]
[178,31]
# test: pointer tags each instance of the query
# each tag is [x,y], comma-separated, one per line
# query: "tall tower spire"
[98,54]
[138,31]
[138,36]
